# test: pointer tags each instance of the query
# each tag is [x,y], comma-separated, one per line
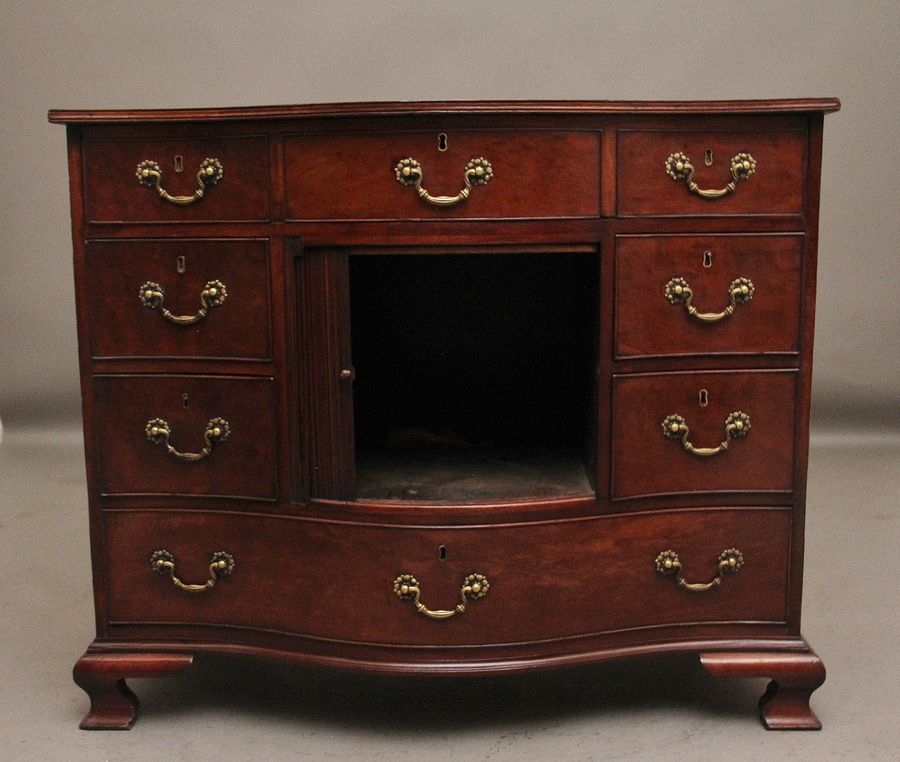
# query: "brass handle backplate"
[740,291]
[669,565]
[210,173]
[221,565]
[217,430]
[213,294]
[737,425]
[477,172]
[680,169]
[475,586]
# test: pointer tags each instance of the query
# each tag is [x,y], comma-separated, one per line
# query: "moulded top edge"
[793,105]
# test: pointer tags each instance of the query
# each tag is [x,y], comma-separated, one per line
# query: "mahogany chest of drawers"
[447,388]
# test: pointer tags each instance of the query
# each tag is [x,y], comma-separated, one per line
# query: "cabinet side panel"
[76,201]
[804,385]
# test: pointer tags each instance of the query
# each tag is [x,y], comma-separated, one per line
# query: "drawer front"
[154,299]
[647,461]
[745,291]
[351,176]
[134,459]
[337,581]
[777,186]
[113,192]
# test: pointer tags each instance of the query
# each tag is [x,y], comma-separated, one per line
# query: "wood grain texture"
[308,188]
[102,677]
[335,581]
[647,463]
[121,326]
[785,704]
[794,105]
[777,187]
[244,465]
[351,176]
[113,193]
[647,324]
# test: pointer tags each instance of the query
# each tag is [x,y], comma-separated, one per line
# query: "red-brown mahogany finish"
[785,704]
[517,343]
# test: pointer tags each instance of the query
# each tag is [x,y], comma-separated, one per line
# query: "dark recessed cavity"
[474,375]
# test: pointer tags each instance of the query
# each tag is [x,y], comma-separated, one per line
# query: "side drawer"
[653,318]
[140,294]
[115,190]
[337,581]
[132,412]
[777,185]
[650,457]
[540,173]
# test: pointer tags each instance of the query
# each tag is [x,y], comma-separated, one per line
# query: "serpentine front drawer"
[699,432]
[697,173]
[189,178]
[185,435]
[708,295]
[509,584]
[440,175]
[179,298]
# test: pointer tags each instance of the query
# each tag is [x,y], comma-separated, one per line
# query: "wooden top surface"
[73,116]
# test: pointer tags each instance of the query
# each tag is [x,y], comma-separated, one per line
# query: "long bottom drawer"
[538,581]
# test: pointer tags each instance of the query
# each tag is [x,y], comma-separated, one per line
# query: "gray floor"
[656,709]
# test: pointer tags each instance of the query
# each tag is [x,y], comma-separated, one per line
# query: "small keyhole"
[442,553]
[707,259]
[704,398]
[708,157]
[185,400]
[179,264]
[442,141]
[179,163]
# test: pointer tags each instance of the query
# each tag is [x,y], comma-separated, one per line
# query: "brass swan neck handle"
[149,174]
[221,565]
[152,296]
[478,171]
[669,565]
[678,291]
[474,586]
[737,425]
[680,169]
[217,430]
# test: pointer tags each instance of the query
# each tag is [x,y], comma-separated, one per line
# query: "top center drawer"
[511,174]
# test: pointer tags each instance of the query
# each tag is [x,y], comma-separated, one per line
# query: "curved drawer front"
[222,430]
[776,185]
[651,319]
[652,457]
[153,299]
[545,581]
[114,192]
[532,174]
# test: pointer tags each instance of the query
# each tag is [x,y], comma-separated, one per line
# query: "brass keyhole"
[703,398]
[179,163]
[442,141]
[708,157]
[185,400]
[180,264]
[442,553]
[707,259]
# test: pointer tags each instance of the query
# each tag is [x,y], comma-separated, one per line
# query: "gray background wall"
[167,54]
